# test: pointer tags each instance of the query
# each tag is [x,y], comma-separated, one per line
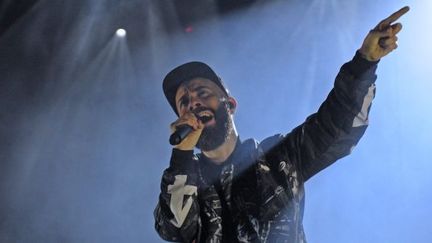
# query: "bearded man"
[245,191]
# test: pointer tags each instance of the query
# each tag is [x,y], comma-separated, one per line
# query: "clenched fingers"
[390,41]
[396,28]
[187,119]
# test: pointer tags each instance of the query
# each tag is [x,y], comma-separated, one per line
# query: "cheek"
[181,112]
[212,102]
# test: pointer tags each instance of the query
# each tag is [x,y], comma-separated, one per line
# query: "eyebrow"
[200,87]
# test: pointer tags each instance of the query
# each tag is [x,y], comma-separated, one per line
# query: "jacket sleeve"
[333,131]
[177,212]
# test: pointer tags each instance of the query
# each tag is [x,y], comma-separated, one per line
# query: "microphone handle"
[180,134]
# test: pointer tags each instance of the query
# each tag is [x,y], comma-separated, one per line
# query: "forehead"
[194,84]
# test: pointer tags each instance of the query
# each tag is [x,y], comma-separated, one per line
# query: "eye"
[183,102]
[203,94]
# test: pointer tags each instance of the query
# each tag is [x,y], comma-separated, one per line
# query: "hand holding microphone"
[186,131]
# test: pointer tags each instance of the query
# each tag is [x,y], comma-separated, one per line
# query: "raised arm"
[333,131]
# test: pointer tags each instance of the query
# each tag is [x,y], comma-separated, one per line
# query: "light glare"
[121,33]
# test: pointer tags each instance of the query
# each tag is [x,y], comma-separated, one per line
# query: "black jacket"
[257,195]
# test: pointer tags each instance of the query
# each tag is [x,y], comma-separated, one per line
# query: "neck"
[221,153]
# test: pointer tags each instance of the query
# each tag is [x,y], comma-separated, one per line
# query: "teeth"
[204,113]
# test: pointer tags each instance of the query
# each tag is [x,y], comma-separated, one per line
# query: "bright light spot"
[121,33]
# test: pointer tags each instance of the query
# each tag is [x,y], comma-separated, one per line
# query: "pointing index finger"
[392,18]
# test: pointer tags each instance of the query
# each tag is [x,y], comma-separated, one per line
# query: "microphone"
[183,131]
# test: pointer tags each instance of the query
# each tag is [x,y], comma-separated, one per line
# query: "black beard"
[213,137]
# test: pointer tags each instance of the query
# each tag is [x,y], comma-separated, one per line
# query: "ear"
[232,104]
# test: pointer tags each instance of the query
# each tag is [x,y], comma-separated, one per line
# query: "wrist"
[359,64]
[182,160]
[366,56]
[183,147]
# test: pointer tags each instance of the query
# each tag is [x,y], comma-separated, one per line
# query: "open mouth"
[206,117]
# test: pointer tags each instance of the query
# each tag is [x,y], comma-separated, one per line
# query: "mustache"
[202,108]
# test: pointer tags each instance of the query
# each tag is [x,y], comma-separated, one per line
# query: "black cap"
[187,72]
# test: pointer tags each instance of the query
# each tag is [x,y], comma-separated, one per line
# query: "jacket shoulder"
[270,142]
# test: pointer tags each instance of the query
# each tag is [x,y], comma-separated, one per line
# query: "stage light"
[121,33]
[188,29]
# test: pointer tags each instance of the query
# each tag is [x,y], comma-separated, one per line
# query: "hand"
[382,39]
[192,139]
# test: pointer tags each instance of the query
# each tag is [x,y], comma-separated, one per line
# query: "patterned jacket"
[261,185]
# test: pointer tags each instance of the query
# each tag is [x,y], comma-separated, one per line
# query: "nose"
[194,103]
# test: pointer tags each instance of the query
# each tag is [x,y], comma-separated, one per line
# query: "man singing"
[245,191]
